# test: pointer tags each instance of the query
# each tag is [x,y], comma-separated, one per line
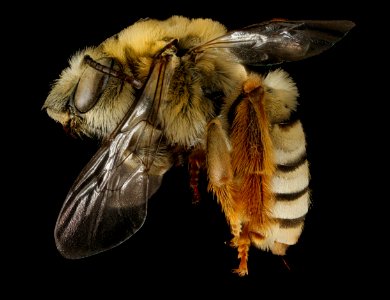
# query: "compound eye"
[92,85]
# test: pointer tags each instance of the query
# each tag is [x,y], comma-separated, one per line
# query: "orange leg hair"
[245,194]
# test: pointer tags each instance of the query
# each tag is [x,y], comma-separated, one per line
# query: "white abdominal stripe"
[290,183]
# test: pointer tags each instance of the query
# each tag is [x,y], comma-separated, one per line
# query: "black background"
[181,246]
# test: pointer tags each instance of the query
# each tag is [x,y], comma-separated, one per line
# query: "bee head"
[92,94]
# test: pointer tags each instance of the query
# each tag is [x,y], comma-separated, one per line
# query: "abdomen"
[290,184]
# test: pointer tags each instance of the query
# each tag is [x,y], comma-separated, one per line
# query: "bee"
[181,90]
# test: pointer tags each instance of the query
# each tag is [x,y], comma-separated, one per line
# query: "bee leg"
[196,163]
[220,172]
[243,245]
[253,167]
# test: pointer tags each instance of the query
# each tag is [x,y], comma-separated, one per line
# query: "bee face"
[87,101]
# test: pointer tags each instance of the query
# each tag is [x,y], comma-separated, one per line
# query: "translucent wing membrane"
[274,42]
[108,202]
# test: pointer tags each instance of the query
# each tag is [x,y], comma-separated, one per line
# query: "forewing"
[274,42]
[108,201]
